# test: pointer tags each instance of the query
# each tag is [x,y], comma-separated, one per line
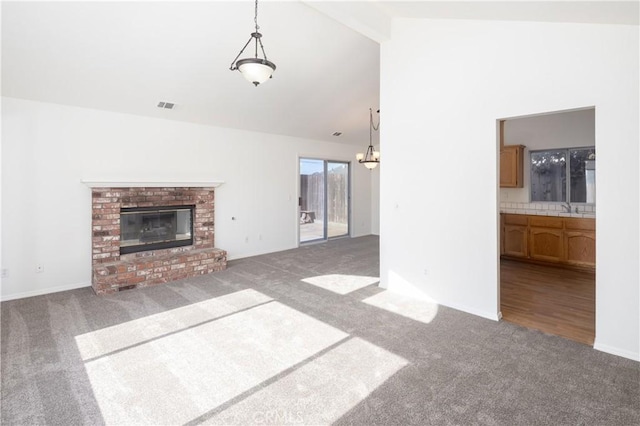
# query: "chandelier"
[371,158]
[255,70]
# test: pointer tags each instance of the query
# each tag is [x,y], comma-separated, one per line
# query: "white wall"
[547,131]
[375,200]
[443,85]
[46,210]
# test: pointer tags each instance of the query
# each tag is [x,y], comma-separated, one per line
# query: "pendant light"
[255,70]
[371,158]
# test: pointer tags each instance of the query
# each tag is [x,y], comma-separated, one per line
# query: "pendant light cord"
[371,120]
[258,40]
[372,127]
[255,19]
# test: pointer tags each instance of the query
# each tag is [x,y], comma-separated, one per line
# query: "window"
[561,175]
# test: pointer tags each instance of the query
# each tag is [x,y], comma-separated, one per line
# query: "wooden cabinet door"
[546,244]
[580,248]
[515,240]
[507,171]
[511,166]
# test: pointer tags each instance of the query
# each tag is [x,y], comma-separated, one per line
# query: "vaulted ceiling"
[128,56]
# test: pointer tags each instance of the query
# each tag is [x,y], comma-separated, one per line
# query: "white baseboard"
[494,316]
[488,315]
[48,290]
[635,356]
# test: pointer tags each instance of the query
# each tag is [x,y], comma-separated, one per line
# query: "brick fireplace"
[114,271]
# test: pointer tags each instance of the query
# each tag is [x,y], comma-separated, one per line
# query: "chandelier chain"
[255,19]
[371,120]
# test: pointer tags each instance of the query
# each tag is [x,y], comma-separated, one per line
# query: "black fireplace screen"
[153,228]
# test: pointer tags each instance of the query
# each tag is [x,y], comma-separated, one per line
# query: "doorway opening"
[547,205]
[324,208]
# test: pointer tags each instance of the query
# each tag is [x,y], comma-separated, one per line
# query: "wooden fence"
[312,193]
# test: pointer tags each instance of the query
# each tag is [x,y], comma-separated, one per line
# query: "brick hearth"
[113,272]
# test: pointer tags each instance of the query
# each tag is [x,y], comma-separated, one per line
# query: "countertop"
[548,209]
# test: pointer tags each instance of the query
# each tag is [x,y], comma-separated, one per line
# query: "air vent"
[166,105]
[337,133]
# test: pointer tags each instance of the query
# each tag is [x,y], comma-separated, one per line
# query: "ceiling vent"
[166,105]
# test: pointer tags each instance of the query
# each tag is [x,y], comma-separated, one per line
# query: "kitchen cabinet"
[549,239]
[546,244]
[580,248]
[515,241]
[580,242]
[511,166]
[546,239]
[514,236]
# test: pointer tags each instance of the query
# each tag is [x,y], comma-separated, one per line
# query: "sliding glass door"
[312,199]
[324,199]
[337,199]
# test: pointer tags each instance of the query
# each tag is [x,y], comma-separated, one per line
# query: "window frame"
[567,166]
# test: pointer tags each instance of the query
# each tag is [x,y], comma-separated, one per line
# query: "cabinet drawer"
[515,219]
[583,224]
[545,222]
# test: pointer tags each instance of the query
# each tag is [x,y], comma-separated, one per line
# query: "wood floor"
[551,299]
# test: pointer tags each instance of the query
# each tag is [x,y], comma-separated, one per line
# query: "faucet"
[567,207]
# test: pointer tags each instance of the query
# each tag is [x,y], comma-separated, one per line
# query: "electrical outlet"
[246,239]
[5,273]
[39,269]
[260,237]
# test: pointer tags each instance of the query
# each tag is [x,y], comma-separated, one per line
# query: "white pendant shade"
[370,164]
[256,70]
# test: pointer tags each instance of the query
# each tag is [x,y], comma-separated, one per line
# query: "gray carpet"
[296,337]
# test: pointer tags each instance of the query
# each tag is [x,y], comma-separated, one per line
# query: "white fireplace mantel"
[151,184]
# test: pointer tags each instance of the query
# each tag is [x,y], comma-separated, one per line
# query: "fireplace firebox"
[154,228]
